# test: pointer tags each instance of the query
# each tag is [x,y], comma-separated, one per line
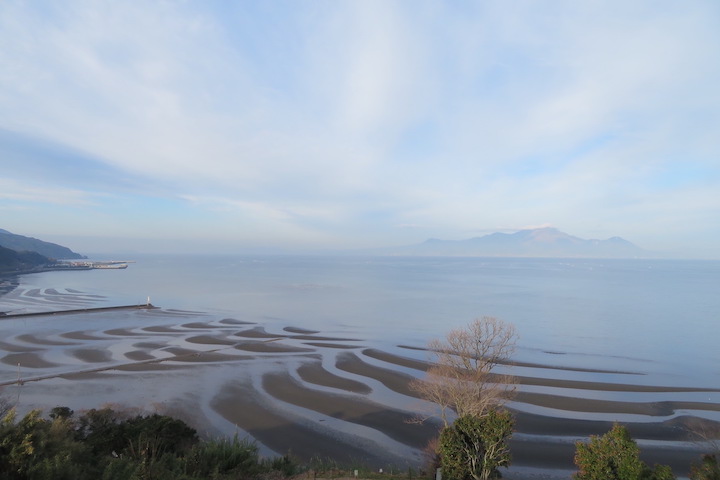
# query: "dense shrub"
[615,456]
[103,444]
[475,447]
[215,458]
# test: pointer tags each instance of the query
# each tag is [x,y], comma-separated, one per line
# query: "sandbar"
[342,346]
[300,330]
[81,336]
[27,359]
[29,338]
[210,340]
[271,347]
[257,332]
[239,404]
[395,381]
[92,355]
[233,321]
[316,374]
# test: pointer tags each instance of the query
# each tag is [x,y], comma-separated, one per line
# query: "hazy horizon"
[181,127]
[98,248]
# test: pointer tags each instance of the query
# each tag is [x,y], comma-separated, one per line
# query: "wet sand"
[27,360]
[258,332]
[210,340]
[233,321]
[320,396]
[284,435]
[315,373]
[92,355]
[28,338]
[80,336]
[139,355]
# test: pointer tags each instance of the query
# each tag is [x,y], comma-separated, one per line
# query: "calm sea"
[660,318]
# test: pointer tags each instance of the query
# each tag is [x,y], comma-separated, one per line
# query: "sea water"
[659,318]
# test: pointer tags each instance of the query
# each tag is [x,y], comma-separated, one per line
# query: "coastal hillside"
[12,261]
[21,243]
[538,242]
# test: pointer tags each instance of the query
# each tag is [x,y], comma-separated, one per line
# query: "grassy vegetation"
[105,444]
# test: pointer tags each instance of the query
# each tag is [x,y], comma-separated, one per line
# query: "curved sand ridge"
[319,395]
[23,300]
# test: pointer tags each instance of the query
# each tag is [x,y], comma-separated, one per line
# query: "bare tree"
[705,433]
[462,378]
[5,406]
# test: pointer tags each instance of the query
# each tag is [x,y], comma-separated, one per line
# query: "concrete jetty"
[148,305]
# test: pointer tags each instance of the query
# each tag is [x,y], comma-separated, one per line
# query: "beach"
[319,396]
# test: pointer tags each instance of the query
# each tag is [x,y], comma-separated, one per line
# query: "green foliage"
[475,447]
[615,456]
[61,412]
[709,469]
[284,465]
[36,448]
[105,432]
[661,472]
[164,434]
[11,260]
[101,444]
[222,456]
[100,431]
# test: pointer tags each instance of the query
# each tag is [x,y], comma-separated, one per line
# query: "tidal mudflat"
[314,394]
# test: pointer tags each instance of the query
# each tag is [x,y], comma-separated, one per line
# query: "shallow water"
[648,316]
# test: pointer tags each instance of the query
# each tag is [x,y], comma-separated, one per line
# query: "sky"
[186,126]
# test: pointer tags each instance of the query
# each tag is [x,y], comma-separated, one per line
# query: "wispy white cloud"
[21,192]
[346,119]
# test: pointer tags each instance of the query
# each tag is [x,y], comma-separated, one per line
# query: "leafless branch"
[462,378]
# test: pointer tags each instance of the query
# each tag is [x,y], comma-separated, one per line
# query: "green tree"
[99,430]
[662,472]
[475,447]
[19,444]
[35,448]
[61,412]
[615,456]
[105,445]
[105,431]
[163,433]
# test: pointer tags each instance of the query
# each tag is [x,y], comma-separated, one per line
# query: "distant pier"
[91,264]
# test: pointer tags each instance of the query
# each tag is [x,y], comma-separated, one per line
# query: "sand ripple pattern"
[314,394]
[22,300]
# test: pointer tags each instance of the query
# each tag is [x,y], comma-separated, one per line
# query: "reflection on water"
[640,315]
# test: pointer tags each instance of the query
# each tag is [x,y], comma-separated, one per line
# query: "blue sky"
[196,125]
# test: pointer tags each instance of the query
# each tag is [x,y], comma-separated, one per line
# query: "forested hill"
[20,243]
[12,261]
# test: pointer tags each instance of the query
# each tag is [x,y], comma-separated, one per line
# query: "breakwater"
[4,315]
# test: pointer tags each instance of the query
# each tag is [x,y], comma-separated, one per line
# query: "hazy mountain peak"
[535,242]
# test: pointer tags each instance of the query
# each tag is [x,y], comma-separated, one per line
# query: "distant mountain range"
[20,243]
[538,242]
